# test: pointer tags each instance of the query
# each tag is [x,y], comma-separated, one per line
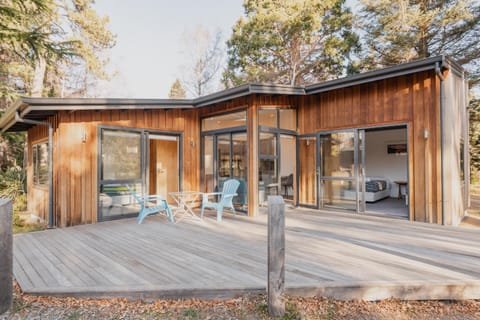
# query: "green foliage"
[398,31]
[51,47]
[475,140]
[191,314]
[12,183]
[177,91]
[290,42]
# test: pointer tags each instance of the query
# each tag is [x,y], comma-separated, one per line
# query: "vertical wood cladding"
[411,99]
[76,161]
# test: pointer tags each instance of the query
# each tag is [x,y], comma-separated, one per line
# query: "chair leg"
[141,216]
[201,215]
[170,215]
[233,209]
[219,214]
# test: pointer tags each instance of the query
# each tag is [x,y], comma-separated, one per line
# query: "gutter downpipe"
[438,71]
[50,162]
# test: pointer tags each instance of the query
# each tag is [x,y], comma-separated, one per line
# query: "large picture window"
[40,163]
[121,155]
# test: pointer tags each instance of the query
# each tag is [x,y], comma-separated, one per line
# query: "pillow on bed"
[375,185]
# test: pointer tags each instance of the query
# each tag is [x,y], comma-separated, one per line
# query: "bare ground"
[247,307]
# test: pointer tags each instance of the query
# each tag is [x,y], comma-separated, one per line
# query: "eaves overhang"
[382,74]
[249,89]
[39,109]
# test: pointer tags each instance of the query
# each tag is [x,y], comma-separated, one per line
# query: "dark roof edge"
[385,73]
[247,89]
[106,102]
[8,117]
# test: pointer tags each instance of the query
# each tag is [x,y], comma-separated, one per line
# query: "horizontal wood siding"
[412,100]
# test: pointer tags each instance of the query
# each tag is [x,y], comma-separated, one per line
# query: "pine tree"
[398,31]
[43,44]
[290,42]
[177,91]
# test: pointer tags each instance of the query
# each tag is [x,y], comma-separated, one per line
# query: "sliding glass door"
[121,165]
[145,162]
[338,173]
[225,157]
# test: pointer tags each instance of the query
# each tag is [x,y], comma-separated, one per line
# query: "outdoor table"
[185,201]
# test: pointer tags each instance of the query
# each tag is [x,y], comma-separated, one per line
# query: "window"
[285,119]
[228,120]
[121,155]
[40,163]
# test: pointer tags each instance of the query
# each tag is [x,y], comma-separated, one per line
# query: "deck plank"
[333,254]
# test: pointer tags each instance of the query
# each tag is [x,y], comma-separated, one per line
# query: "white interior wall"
[381,164]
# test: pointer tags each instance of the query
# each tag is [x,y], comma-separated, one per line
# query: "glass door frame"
[355,179]
[359,159]
[146,147]
[214,134]
[144,163]
[278,133]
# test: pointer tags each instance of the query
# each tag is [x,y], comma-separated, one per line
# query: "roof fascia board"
[386,73]
[98,107]
[232,93]
[8,117]
[107,102]
[343,84]
[247,89]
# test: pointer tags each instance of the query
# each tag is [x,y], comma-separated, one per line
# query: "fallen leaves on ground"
[246,307]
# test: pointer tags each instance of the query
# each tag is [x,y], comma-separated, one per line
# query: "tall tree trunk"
[38,77]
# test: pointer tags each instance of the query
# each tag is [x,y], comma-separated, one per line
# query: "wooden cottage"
[390,142]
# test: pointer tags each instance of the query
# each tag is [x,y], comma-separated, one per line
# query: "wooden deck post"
[6,258]
[276,256]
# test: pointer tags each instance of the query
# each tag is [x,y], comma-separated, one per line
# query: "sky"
[148,55]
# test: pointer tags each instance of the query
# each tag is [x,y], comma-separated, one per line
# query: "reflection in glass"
[267,166]
[208,173]
[40,163]
[117,201]
[268,118]
[307,171]
[338,154]
[338,194]
[223,156]
[239,167]
[338,162]
[287,165]
[288,119]
[229,120]
[268,144]
[121,155]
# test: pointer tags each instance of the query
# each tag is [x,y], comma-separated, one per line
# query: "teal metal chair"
[226,196]
[151,204]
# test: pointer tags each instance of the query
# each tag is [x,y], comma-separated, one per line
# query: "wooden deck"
[338,255]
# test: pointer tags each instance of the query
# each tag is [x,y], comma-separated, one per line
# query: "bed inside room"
[386,171]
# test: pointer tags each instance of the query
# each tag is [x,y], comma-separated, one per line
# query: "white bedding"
[371,196]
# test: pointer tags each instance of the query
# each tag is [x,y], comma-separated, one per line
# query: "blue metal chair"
[226,196]
[151,204]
